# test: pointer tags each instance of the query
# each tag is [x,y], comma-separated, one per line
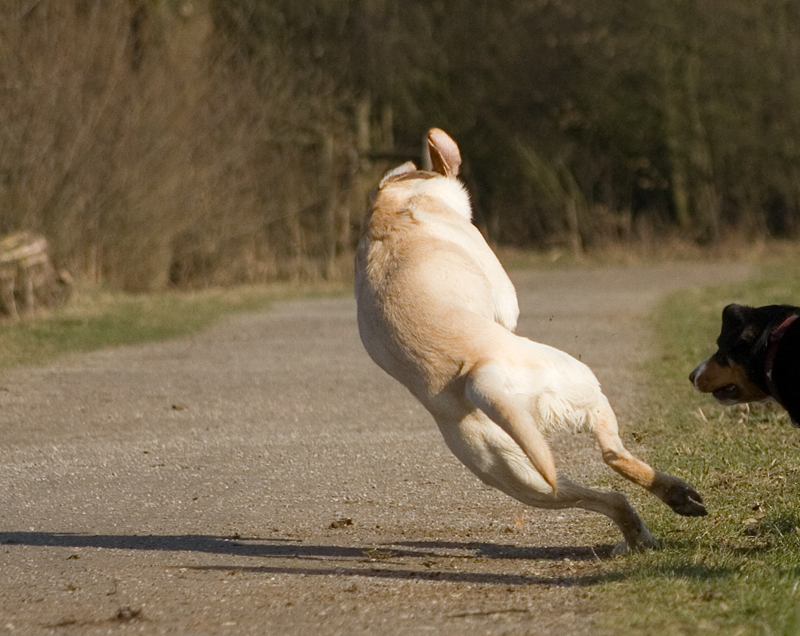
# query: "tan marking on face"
[711,376]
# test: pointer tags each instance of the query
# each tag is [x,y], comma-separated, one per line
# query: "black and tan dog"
[758,358]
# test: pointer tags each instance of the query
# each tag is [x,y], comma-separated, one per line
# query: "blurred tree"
[215,141]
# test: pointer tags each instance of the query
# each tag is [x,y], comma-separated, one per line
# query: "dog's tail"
[487,390]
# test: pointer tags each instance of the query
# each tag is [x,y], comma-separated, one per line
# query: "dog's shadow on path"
[416,560]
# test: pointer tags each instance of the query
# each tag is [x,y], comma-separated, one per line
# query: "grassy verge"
[96,318]
[736,571]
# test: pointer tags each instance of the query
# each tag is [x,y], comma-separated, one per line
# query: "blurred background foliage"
[206,142]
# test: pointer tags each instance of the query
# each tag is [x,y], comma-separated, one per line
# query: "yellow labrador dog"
[437,312]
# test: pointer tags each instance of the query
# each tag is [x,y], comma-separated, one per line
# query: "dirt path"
[265,477]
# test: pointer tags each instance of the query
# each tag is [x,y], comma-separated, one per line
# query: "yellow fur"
[437,312]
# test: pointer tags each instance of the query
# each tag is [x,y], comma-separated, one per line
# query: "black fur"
[746,338]
[786,371]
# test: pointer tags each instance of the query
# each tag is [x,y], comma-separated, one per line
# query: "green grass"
[97,318]
[736,571]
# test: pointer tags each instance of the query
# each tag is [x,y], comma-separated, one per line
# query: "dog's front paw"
[688,502]
[678,495]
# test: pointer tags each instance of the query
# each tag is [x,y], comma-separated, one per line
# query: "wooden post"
[8,277]
[26,273]
[329,197]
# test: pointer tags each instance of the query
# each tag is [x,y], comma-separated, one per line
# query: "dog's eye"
[722,360]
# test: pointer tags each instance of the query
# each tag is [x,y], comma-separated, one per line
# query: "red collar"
[772,352]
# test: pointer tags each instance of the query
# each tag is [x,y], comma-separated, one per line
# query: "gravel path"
[264,477]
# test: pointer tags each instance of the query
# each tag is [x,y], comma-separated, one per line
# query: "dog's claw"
[679,496]
[694,508]
[689,504]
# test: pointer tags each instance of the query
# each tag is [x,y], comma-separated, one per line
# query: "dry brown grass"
[148,153]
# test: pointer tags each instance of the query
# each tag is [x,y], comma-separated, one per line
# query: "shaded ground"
[265,477]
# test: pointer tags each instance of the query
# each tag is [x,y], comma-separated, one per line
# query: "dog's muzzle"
[725,394]
[728,394]
[697,371]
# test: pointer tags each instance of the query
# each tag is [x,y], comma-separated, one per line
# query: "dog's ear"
[407,167]
[445,157]
[736,319]
[733,313]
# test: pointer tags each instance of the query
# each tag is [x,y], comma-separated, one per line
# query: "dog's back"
[425,274]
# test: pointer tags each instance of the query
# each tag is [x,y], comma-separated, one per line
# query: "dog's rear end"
[437,311]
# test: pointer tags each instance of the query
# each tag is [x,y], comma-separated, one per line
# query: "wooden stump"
[27,277]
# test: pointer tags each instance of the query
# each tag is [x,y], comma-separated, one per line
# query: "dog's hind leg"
[611,504]
[674,492]
[490,453]
[499,462]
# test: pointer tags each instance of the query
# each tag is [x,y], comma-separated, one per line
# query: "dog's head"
[445,159]
[736,373]
[406,187]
